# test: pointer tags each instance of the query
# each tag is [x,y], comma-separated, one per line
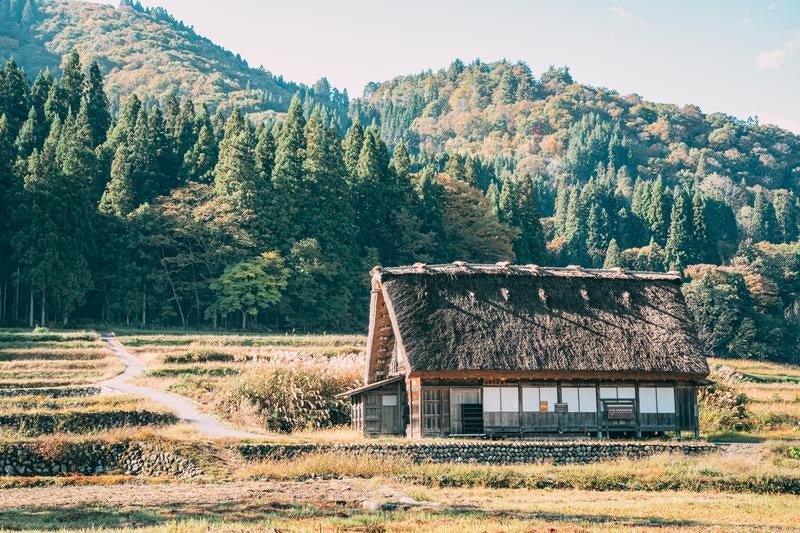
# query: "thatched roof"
[505,317]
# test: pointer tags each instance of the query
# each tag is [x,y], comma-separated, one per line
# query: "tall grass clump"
[723,408]
[288,398]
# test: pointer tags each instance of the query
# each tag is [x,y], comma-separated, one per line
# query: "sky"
[732,56]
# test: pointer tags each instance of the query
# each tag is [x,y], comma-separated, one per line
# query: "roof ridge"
[462,267]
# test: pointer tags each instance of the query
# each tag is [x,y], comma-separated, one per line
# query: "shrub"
[724,408]
[287,399]
[199,356]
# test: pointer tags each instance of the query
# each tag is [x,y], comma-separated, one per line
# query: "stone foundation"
[92,458]
[484,452]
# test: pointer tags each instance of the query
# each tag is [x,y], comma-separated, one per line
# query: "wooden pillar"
[636,409]
[414,387]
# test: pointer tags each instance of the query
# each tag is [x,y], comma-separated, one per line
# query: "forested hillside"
[147,52]
[129,197]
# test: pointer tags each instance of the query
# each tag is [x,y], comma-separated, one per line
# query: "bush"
[724,408]
[288,399]
[199,356]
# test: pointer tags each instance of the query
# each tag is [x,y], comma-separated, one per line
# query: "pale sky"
[738,57]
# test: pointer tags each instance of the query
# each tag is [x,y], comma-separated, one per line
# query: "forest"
[174,210]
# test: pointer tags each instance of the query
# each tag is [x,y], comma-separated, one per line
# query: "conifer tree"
[40,91]
[764,222]
[455,168]
[265,153]
[574,225]
[235,176]
[119,198]
[57,104]
[97,111]
[517,208]
[786,214]
[353,142]
[678,251]
[401,162]
[184,134]
[597,234]
[702,245]
[71,82]
[29,135]
[613,257]
[658,210]
[14,96]
[199,162]
[287,174]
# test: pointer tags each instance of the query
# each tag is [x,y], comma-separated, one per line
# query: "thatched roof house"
[562,336]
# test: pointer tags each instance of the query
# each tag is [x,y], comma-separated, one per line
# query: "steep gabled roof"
[527,318]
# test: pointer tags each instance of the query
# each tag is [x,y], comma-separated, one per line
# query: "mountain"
[144,51]
[553,126]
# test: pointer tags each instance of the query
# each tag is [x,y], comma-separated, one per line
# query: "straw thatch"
[527,318]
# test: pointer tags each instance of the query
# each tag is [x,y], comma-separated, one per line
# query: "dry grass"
[774,393]
[762,471]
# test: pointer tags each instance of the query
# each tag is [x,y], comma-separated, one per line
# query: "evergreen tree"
[786,214]
[199,162]
[29,135]
[613,257]
[574,226]
[265,153]
[658,210]
[97,105]
[57,104]
[401,162]
[14,96]
[353,142]
[702,245]
[235,177]
[119,198]
[184,135]
[455,168]
[678,251]
[71,82]
[287,174]
[764,221]
[40,91]
[16,9]
[597,233]
[29,14]
[517,208]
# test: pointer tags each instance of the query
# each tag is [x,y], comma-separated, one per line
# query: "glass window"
[491,399]
[626,393]
[665,397]
[588,400]
[647,400]
[549,395]
[608,393]
[509,399]
[530,399]
[389,400]
[569,396]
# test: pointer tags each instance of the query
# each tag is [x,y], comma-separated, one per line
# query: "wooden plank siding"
[435,413]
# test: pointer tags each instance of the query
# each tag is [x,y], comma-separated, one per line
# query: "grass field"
[773,393]
[746,486]
[42,374]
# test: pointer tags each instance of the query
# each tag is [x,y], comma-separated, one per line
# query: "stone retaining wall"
[483,452]
[59,392]
[93,458]
[82,421]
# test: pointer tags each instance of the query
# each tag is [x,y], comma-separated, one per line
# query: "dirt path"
[182,407]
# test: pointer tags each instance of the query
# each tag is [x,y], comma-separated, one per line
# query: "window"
[626,392]
[579,399]
[666,399]
[500,399]
[588,400]
[533,398]
[657,400]
[569,396]
[389,400]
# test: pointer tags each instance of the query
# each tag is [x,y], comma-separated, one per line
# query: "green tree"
[250,286]
[764,221]
[679,249]
[518,209]
[658,210]
[97,105]
[14,96]
[613,257]
[71,82]
[353,142]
